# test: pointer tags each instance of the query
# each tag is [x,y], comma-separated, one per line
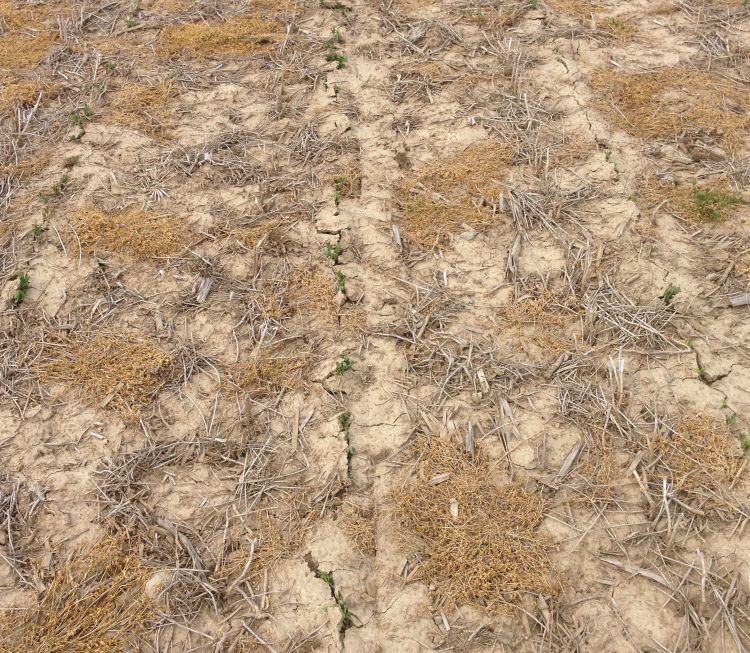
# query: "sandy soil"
[398,327]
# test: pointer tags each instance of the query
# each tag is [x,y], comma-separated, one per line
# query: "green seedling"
[340,60]
[340,281]
[345,420]
[326,577]
[669,294]
[744,441]
[333,252]
[345,612]
[23,289]
[344,365]
[60,186]
[732,420]
[340,185]
[81,116]
[335,39]
[72,161]
[37,230]
[713,205]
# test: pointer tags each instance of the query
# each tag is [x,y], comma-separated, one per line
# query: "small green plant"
[110,66]
[72,161]
[130,23]
[333,252]
[669,294]
[343,365]
[62,183]
[345,420]
[332,43]
[341,604]
[714,205]
[326,577]
[346,614]
[23,289]
[37,230]
[732,420]
[340,185]
[79,119]
[340,281]
[80,116]
[744,441]
[340,60]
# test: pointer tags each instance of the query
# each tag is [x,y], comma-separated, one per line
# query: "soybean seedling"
[23,288]
[345,420]
[669,294]
[340,185]
[333,252]
[343,365]
[340,281]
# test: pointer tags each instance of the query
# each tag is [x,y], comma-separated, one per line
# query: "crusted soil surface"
[374,327]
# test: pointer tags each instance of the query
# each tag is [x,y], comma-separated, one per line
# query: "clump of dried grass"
[348,183]
[699,456]
[28,167]
[122,372]
[132,232]
[479,540]
[617,28]
[668,102]
[358,525]
[273,539]
[430,221]
[598,467]
[475,172]
[451,192]
[267,373]
[256,237]
[697,204]
[22,50]
[145,108]
[18,93]
[542,314]
[96,604]
[312,293]
[578,8]
[242,35]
